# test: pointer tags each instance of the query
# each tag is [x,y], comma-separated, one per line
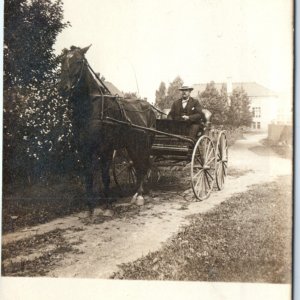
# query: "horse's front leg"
[89,182]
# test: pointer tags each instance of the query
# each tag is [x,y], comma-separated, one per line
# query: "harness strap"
[123,111]
[102,83]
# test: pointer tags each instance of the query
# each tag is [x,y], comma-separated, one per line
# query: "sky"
[137,44]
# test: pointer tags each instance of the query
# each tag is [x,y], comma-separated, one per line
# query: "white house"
[264,102]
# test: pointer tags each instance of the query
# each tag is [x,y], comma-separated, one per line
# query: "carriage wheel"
[203,167]
[222,160]
[124,172]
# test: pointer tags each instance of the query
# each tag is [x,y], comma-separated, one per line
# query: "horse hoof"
[140,201]
[134,198]
[108,213]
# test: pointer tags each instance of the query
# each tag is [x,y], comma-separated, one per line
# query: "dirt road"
[100,246]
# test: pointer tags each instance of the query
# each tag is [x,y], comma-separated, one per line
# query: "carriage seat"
[206,123]
[207,116]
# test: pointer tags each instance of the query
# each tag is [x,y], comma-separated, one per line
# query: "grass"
[36,255]
[245,239]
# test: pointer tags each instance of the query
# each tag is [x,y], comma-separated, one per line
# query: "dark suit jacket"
[193,109]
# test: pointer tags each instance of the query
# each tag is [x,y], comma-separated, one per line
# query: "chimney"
[229,86]
[229,90]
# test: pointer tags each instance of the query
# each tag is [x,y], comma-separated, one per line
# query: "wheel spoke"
[206,184]
[198,173]
[122,170]
[199,180]
[130,180]
[133,171]
[199,157]
[205,150]
[200,161]
[212,178]
[201,190]
[132,176]
[207,179]
[208,155]
[212,159]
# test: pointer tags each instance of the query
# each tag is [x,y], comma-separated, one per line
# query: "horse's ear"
[84,50]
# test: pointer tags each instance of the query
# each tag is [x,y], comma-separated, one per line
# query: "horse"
[92,107]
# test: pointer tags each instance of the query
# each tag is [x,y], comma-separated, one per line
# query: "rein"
[95,74]
[121,107]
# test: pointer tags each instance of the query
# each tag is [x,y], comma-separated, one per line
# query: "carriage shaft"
[189,140]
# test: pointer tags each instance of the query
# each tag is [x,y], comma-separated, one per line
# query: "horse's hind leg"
[106,160]
[140,155]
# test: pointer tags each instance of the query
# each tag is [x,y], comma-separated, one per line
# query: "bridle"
[76,83]
[73,87]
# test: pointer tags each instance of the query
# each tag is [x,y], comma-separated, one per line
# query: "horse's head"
[72,63]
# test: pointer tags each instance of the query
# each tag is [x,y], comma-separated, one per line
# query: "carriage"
[207,156]
[104,122]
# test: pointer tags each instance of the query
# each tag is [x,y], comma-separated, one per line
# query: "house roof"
[252,89]
[113,89]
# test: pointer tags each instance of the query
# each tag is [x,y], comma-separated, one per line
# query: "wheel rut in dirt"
[100,245]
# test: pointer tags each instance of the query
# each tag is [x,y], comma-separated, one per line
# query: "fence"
[280,133]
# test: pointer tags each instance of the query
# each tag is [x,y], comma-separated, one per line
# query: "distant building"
[264,103]
[113,89]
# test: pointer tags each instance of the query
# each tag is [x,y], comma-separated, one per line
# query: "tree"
[239,111]
[215,102]
[130,95]
[36,123]
[173,91]
[164,100]
[30,31]
[160,95]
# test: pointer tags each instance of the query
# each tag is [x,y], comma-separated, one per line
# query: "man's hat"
[186,88]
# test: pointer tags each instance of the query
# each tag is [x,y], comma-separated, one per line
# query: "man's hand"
[185,117]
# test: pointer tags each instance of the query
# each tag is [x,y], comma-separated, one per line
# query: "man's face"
[186,94]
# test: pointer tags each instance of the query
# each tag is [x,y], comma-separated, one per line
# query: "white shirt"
[184,102]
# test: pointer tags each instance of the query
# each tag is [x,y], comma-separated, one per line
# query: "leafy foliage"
[233,110]
[173,91]
[239,111]
[215,102]
[164,100]
[130,95]
[36,119]
[31,27]
[160,95]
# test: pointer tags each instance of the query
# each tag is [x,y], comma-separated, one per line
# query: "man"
[187,109]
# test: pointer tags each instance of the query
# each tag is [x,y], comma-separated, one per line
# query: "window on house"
[256,112]
[258,125]
[253,125]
